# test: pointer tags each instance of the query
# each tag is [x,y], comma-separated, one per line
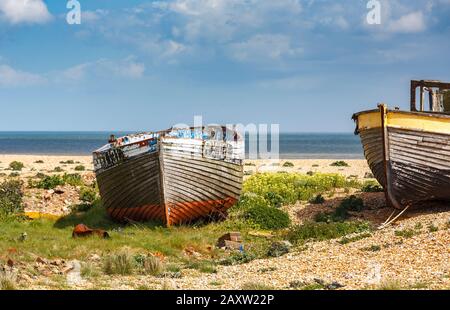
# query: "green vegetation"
[341,213]
[432,228]
[7,281]
[267,217]
[371,187]
[16,166]
[407,233]
[149,265]
[372,248]
[80,168]
[40,161]
[358,237]
[288,164]
[339,163]
[121,263]
[58,169]
[318,199]
[50,182]
[87,194]
[67,162]
[10,199]
[288,188]
[251,286]
[136,248]
[311,231]
[237,258]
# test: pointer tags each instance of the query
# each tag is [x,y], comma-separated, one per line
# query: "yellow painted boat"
[409,151]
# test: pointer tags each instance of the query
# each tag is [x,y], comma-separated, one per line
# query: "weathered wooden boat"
[409,151]
[176,176]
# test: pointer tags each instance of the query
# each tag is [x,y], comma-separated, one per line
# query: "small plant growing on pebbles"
[16,166]
[40,161]
[148,264]
[339,163]
[288,164]
[251,286]
[371,187]
[58,169]
[8,281]
[279,248]
[80,168]
[87,195]
[121,262]
[317,200]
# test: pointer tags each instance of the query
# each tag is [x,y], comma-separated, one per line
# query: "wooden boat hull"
[180,182]
[408,153]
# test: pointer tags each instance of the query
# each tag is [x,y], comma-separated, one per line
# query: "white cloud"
[125,68]
[25,11]
[93,16]
[409,23]
[264,47]
[10,77]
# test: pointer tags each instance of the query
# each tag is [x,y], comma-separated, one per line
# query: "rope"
[389,222]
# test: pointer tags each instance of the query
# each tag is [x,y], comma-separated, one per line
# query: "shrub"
[432,228]
[73,179]
[339,163]
[58,169]
[358,237]
[267,217]
[121,263]
[278,249]
[87,194]
[371,187]
[8,281]
[372,248]
[317,200]
[352,203]
[325,231]
[16,166]
[11,198]
[40,161]
[288,164]
[406,233]
[67,162]
[340,214]
[149,264]
[50,182]
[274,199]
[237,258]
[80,168]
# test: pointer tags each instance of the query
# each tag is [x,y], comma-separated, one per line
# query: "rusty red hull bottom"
[174,213]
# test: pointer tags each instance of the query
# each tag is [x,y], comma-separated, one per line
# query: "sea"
[291,145]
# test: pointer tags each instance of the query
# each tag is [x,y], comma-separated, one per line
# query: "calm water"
[292,145]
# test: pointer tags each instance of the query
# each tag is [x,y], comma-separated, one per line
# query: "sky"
[306,65]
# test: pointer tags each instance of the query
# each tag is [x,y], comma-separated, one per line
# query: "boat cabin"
[436,93]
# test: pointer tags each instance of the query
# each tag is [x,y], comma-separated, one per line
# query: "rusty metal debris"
[82,230]
[232,241]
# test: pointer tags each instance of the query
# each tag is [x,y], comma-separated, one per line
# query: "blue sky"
[146,65]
